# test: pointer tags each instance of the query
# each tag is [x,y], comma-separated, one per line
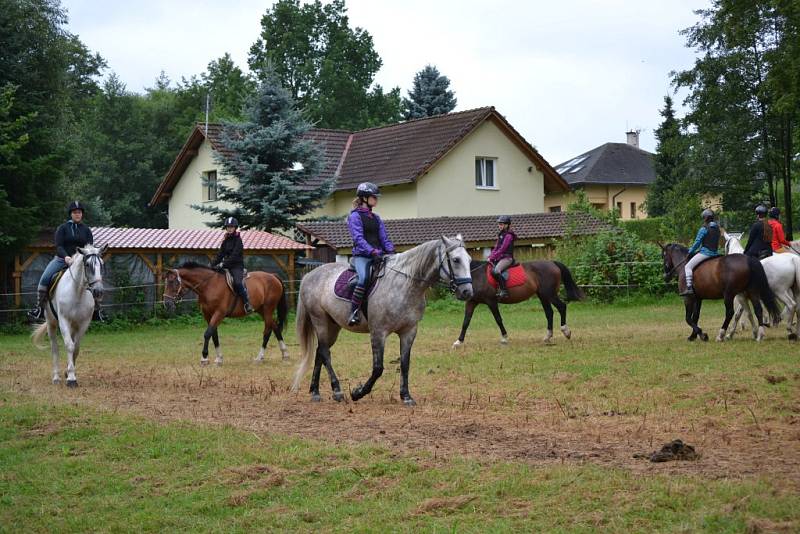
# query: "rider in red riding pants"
[502,256]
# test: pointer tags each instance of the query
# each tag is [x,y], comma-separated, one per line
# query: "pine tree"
[276,168]
[430,95]
[670,160]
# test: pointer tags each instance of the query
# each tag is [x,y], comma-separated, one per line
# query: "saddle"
[51,289]
[347,280]
[514,276]
[229,278]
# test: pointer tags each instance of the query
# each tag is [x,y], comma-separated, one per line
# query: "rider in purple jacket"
[502,256]
[369,241]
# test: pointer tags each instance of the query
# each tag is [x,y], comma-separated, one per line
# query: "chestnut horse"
[217,301]
[722,277]
[543,279]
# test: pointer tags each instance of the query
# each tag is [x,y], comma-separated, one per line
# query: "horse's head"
[92,260]
[454,268]
[173,289]
[673,255]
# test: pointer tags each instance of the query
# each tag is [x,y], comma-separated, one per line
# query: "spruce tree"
[430,95]
[670,160]
[276,167]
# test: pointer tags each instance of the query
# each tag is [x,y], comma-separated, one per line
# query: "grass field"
[505,438]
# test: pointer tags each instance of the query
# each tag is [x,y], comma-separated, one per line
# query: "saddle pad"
[229,278]
[54,282]
[343,289]
[515,276]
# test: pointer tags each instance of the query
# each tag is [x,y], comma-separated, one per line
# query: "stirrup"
[37,313]
[502,293]
[355,318]
[248,308]
[688,292]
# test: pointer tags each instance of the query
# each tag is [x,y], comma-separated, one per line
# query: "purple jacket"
[360,245]
[504,248]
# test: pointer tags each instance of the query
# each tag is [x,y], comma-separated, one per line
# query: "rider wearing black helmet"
[231,257]
[779,242]
[759,242]
[502,256]
[69,236]
[706,244]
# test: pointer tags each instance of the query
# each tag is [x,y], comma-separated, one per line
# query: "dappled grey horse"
[73,303]
[395,306]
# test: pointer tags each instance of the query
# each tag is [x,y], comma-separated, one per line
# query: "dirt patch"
[443,505]
[759,526]
[772,379]
[672,451]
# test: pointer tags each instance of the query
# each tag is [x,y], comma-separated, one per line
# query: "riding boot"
[689,291]
[501,282]
[355,302]
[248,308]
[37,313]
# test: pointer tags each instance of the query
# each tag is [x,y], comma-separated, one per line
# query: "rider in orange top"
[779,242]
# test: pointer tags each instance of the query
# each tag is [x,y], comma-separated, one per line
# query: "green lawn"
[77,461]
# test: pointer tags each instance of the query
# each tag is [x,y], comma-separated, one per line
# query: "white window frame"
[206,189]
[483,160]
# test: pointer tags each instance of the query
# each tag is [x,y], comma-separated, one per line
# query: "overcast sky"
[569,75]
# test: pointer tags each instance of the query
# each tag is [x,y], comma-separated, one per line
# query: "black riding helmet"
[75,205]
[367,189]
[708,214]
[761,210]
[774,212]
[504,219]
[231,221]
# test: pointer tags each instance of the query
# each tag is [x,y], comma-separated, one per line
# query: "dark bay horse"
[217,301]
[722,277]
[543,279]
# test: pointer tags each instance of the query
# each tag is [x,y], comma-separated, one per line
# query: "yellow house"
[613,176]
[467,163]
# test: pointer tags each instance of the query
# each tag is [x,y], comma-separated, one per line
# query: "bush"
[651,230]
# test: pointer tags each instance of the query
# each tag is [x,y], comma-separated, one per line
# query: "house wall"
[189,190]
[396,202]
[449,187]
[602,196]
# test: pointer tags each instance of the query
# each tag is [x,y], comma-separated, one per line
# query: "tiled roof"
[173,239]
[611,163]
[393,154]
[479,228]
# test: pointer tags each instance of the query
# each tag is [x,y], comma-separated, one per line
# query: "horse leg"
[469,309]
[281,344]
[759,334]
[326,337]
[561,306]
[215,339]
[264,341]
[52,334]
[406,340]
[319,359]
[69,346]
[499,320]
[739,303]
[548,313]
[728,316]
[696,318]
[690,304]
[378,340]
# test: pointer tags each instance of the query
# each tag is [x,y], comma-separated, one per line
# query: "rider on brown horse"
[502,256]
[231,257]
[706,244]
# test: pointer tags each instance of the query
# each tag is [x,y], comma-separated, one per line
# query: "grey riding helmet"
[708,214]
[367,189]
[761,210]
[504,219]
[774,212]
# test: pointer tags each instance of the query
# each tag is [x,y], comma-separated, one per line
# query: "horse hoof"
[204,362]
[792,337]
[504,340]
[356,393]
[458,344]
[56,381]
[315,397]
[566,331]
[720,339]
[72,383]
[691,338]
[338,396]
[408,401]
[704,336]
[285,356]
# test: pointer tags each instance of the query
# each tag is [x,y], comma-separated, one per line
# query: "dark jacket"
[756,245]
[70,236]
[231,252]
[362,235]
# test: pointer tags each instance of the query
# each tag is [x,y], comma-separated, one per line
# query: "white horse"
[783,275]
[73,303]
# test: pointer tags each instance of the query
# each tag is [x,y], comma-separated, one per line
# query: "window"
[485,173]
[555,209]
[633,210]
[209,186]
[619,208]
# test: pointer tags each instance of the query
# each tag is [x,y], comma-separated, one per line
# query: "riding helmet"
[504,219]
[231,221]
[761,210]
[708,214]
[368,189]
[774,212]
[75,205]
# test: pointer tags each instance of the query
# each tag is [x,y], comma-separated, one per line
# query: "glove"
[377,253]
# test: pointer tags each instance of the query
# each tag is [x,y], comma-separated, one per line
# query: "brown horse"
[217,301]
[543,279]
[722,277]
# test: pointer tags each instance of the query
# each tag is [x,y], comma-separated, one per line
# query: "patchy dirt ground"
[446,423]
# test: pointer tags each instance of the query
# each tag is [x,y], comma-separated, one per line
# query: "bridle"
[455,282]
[178,298]
[85,261]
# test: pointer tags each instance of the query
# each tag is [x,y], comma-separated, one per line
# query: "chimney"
[633,138]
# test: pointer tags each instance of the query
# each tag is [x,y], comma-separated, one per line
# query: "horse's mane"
[413,262]
[193,265]
[678,246]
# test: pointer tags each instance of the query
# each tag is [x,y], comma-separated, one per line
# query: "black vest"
[711,240]
[370,226]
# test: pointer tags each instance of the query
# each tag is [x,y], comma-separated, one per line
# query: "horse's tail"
[759,283]
[307,340]
[573,291]
[38,334]
[283,310]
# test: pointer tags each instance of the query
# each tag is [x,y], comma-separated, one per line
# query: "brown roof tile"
[480,228]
